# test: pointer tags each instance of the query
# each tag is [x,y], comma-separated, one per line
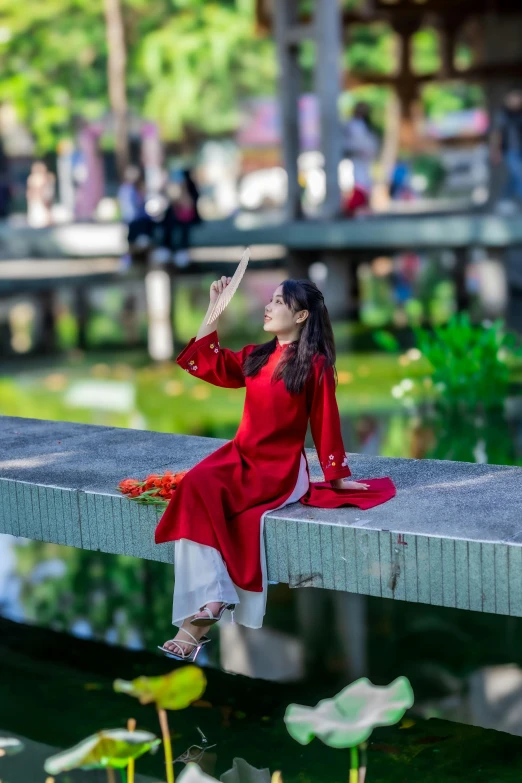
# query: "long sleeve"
[325,425]
[206,359]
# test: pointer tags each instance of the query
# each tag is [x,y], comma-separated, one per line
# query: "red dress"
[220,501]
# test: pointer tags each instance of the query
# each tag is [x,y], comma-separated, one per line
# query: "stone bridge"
[451,537]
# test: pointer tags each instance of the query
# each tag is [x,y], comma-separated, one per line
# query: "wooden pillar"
[512,258]
[81,313]
[48,322]
[328,34]
[447,35]
[407,90]
[498,41]
[461,289]
[285,19]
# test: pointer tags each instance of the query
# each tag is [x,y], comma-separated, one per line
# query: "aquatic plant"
[241,772]
[470,364]
[10,746]
[173,691]
[109,748]
[348,719]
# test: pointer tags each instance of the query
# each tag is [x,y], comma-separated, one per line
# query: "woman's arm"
[215,289]
[204,357]
[325,424]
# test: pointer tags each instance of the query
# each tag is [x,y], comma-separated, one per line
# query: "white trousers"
[201,576]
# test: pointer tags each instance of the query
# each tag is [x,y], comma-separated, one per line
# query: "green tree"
[188,63]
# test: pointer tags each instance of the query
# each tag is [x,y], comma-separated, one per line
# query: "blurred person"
[360,145]
[400,184]
[88,171]
[41,185]
[216,515]
[506,147]
[181,214]
[131,194]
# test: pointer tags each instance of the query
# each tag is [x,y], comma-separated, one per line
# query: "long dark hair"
[315,337]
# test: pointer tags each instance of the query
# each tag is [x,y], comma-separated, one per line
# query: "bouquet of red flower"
[154,490]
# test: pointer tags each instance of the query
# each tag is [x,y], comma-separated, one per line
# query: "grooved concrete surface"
[451,537]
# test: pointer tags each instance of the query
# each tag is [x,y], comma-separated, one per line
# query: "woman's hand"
[347,484]
[217,287]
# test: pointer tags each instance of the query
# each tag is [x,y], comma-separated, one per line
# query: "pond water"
[463,666]
[56,690]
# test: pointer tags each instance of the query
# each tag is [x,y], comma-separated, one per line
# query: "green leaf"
[174,691]
[107,748]
[386,340]
[350,717]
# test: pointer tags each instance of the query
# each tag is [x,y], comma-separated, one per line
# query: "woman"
[216,515]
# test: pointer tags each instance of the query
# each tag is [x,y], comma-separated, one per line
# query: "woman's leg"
[200,579]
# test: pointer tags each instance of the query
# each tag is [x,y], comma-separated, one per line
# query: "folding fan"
[228,292]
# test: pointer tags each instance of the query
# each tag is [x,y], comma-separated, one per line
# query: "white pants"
[201,575]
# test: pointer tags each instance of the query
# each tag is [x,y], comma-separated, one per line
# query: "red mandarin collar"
[282,347]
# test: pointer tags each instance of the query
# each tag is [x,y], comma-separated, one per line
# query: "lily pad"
[106,748]
[10,746]
[173,691]
[350,717]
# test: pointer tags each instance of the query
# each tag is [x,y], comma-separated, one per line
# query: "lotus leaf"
[10,746]
[173,691]
[242,772]
[194,774]
[350,717]
[106,748]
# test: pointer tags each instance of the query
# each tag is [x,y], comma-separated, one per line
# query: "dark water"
[56,690]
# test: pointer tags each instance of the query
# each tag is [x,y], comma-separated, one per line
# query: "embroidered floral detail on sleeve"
[211,345]
[191,361]
[332,463]
[191,366]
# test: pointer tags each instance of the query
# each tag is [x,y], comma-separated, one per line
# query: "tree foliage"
[190,62]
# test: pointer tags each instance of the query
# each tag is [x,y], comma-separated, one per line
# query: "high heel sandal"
[192,655]
[210,619]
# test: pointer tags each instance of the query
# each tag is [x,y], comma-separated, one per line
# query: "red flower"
[162,486]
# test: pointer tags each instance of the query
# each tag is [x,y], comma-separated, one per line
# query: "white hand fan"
[228,292]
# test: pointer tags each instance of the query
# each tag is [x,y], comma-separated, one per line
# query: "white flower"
[407,384]
[397,392]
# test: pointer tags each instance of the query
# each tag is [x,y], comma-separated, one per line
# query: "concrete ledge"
[452,536]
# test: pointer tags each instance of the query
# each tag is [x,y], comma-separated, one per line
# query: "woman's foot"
[183,643]
[210,613]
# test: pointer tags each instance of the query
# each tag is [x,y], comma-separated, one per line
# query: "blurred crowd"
[160,204]
[161,224]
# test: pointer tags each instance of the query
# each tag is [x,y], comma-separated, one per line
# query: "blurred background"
[373,146]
